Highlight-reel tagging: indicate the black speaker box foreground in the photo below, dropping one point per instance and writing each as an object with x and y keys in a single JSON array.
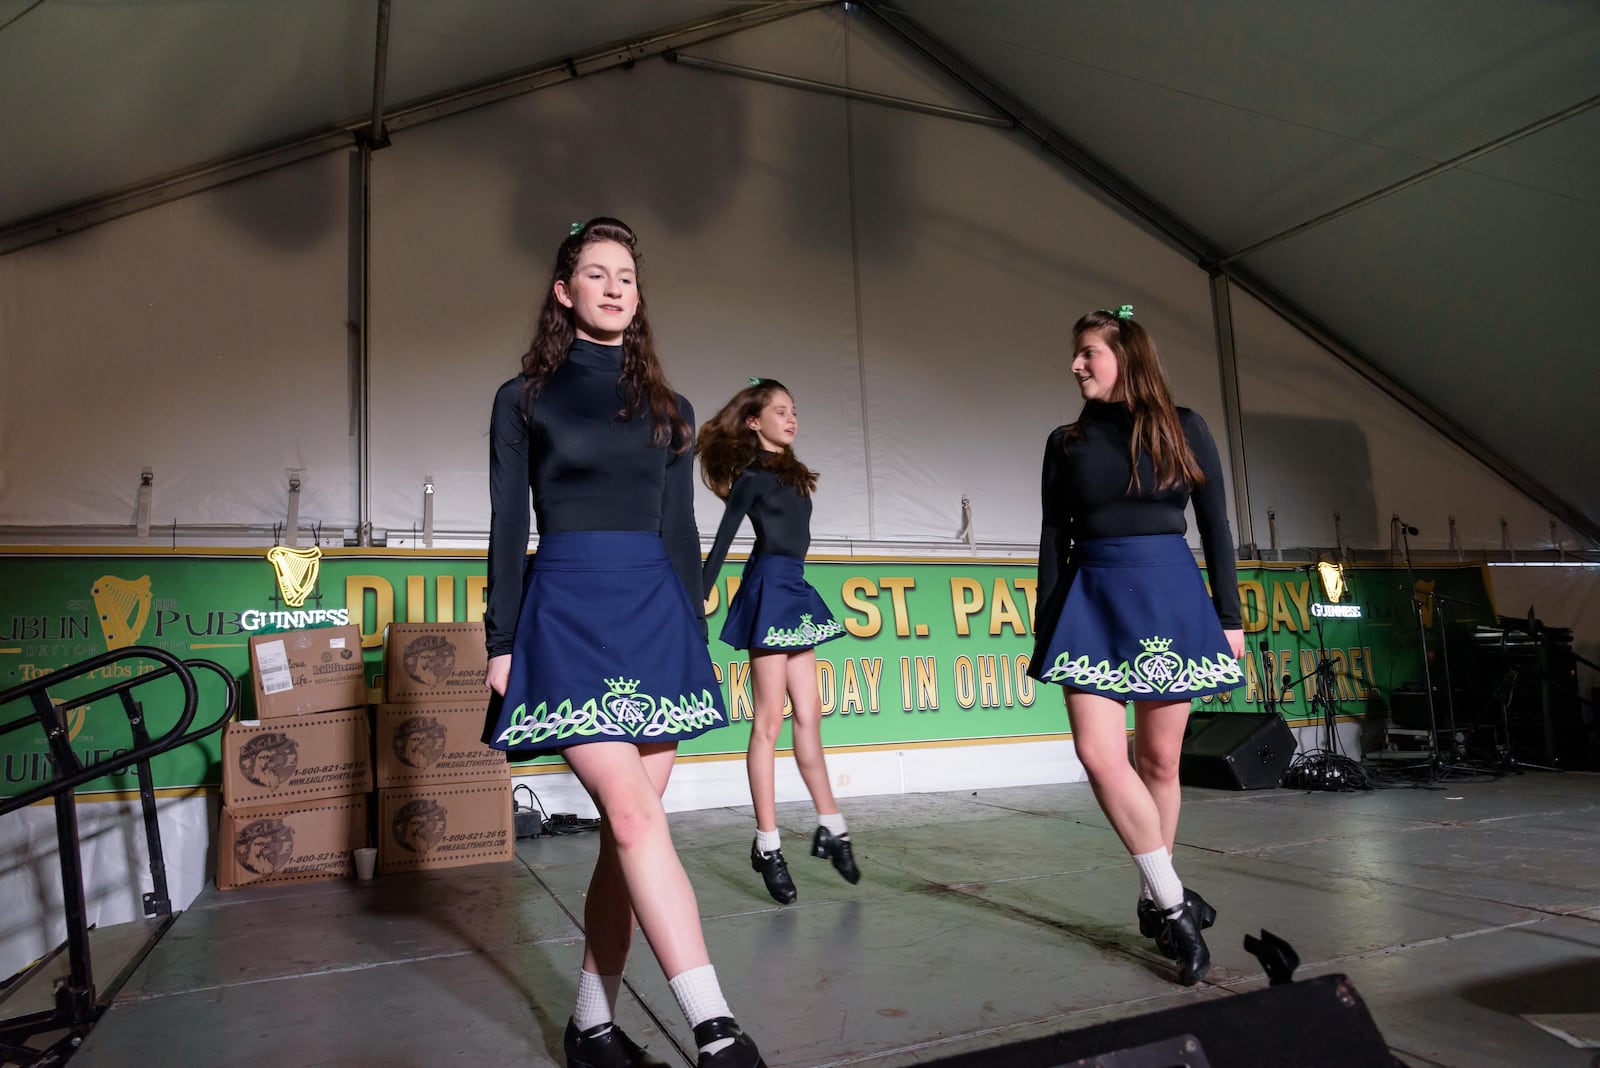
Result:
[
  {"x": 1236, "y": 750},
  {"x": 1318, "y": 1023}
]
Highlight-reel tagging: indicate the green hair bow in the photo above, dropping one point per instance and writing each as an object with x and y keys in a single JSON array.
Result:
[
  {"x": 1122, "y": 311},
  {"x": 577, "y": 228}
]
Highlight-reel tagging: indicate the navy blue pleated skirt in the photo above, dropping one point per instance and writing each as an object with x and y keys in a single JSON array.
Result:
[
  {"x": 608, "y": 648},
  {"x": 776, "y": 608},
  {"x": 1133, "y": 622}
]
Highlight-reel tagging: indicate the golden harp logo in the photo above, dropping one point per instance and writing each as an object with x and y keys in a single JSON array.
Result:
[
  {"x": 124, "y": 608},
  {"x": 296, "y": 570}
]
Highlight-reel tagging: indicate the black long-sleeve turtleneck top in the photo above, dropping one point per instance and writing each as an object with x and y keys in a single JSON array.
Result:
[
  {"x": 780, "y": 514},
  {"x": 587, "y": 469},
  {"x": 1085, "y": 495}
]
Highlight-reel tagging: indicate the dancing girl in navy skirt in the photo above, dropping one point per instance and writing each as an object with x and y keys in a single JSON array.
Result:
[
  {"x": 747, "y": 458},
  {"x": 597, "y": 648},
  {"x": 1123, "y": 612}
]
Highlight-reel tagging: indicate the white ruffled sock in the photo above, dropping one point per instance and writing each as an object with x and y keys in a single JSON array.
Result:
[
  {"x": 597, "y": 1000},
  {"x": 700, "y": 997},
  {"x": 1166, "y": 890}
]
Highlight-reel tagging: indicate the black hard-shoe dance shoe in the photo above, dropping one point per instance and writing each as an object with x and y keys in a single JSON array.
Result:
[
  {"x": 775, "y": 873},
  {"x": 1189, "y": 948},
  {"x": 605, "y": 1046},
  {"x": 1150, "y": 924},
  {"x": 826, "y": 847},
  {"x": 1151, "y": 927},
  {"x": 742, "y": 1054}
]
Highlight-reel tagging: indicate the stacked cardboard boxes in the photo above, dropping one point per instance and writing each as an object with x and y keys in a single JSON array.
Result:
[
  {"x": 295, "y": 780},
  {"x": 444, "y": 798}
]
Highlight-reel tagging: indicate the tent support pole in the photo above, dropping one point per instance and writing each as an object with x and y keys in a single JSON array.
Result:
[
  {"x": 368, "y": 141},
  {"x": 1233, "y": 412},
  {"x": 790, "y": 81}
]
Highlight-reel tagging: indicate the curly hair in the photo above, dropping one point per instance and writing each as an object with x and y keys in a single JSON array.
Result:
[
  {"x": 644, "y": 384},
  {"x": 1142, "y": 385},
  {"x": 726, "y": 444}
]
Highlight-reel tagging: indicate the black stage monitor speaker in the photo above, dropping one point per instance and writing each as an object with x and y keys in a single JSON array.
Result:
[
  {"x": 1318, "y": 1023},
  {"x": 1236, "y": 750}
]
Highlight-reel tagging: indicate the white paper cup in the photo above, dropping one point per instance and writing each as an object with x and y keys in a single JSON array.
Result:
[{"x": 366, "y": 862}]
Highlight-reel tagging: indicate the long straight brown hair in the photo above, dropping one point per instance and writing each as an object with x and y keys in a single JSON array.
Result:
[
  {"x": 727, "y": 445},
  {"x": 644, "y": 384},
  {"x": 1142, "y": 385}
]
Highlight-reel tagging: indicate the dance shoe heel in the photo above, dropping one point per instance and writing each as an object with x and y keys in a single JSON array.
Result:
[
  {"x": 775, "y": 873},
  {"x": 824, "y": 846},
  {"x": 742, "y": 1054},
  {"x": 605, "y": 1046}
]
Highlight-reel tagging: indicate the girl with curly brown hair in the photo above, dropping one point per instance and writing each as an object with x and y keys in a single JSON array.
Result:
[{"x": 747, "y": 458}]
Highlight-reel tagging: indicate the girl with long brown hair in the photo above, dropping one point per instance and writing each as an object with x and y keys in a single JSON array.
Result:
[
  {"x": 747, "y": 458},
  {"x": 1123, "y": 613},
  {"x": 597, "y": 649}
]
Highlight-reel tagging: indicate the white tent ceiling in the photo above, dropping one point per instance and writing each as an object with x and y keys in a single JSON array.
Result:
[{"x": 1224, "y": 125}]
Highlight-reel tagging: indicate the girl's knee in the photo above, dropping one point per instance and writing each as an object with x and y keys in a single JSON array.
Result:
[
  {"x": 767, "y": 727},
  {"x": 1103, "y": 762},
  {"x": 635, "y": 821},
  {"x": 1158, "y": 766}
]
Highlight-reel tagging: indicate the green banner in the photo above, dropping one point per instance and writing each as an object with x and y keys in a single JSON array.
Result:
[{"x": 935, "y": 651}]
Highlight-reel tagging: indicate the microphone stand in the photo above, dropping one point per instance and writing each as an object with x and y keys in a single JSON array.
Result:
[
  {"x": 1269, "y": 671},
  {"x": 1436, "y": 766},
  {"x": 1443, "y": 602},
  {"x": 1326, "y": 682}
]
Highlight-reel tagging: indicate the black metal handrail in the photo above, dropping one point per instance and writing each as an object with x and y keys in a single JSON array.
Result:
[
  {"x": 77, "y": 1005},
  {"x": 51, "y": 717}
]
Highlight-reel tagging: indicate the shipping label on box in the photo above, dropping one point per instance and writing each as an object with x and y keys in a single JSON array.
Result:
[
  {"x": 444, "y": 826},
  {"x": 290, "y": 843},
  {"x": 290, "y": 761},
  {"x": 302, "y": 671},
  {"x": 435, "y": 662},
  {"x": 428, "y": 743}
]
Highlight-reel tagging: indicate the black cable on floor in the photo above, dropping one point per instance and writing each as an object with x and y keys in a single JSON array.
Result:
[{"x": 1323, "y": 769}]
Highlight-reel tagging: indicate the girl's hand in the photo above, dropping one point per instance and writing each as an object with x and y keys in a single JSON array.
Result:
[
  {"x": 499, "y": 673},
  {"x": 1235, "y": 642}
]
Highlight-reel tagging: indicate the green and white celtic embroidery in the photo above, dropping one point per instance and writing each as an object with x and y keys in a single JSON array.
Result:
[
  {"x": 621, "y": 714},
  {"x": 1157, "y": 670},
  {"x": 806, "y": 634}
]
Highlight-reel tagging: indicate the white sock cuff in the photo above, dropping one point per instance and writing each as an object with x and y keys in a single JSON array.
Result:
[
  {"x": 1166, "y": 890},
  {"x": 835, "y": 824},
  {"x": 767, "y": 841},
  {"x": 699, "y": 995},
  {"x": 596, "y": 999}
]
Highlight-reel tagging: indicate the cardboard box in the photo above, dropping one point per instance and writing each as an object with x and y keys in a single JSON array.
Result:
[
  {"x": 435, "y": 662},
  {"x": 297, "y": 760},
  {"x": 302, "y": 671},
  {"x": 290, "y": 843},
  {"x": 444, "y": 826},
  {"x": 420, "y": 744}
]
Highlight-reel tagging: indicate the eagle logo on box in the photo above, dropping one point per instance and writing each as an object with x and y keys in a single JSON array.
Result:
[
  {"x": 264, "y": 846},
  {"x": 419, "y": 742},
  {"x": 269, "y": 760},
  {"x": 429, "y": 659},
  {"x": 419, "y": 825}
]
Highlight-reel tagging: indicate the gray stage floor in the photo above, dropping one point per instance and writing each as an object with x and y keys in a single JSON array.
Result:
[{"x": 983, "y": 917}]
